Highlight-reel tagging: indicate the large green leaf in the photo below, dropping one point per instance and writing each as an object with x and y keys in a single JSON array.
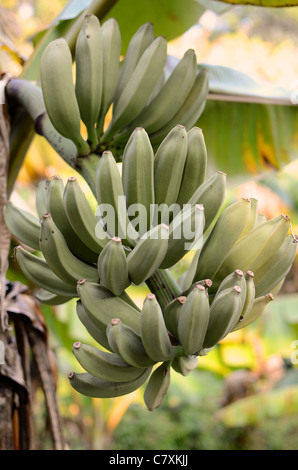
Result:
[
  {"x": 170, "y": 18},
  {"x": 249, "y": 127}
]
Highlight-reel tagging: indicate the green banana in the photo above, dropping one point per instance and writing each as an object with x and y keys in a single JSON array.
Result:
[
  {"x": 147, "y": 255},
  {"x": 171, "y": 97},
  {"x": 171, "y": 314},
  {"x": 93, "y": 327},
  {"x": 254, "y": 249},
  {"x": 89, "y": 70},
  {"x": 184, "y": 364},
  {"x": 128, "y": 344},
  {"x": 255, "y": 312},
  {"x": 139, "y": 42},
  {"x": 169, "y": 162},
  {"x": 250, "y": 294},
  {"x": 138, "y": 177},
  {"x": 55, "y": 206},
  {"x": 191, "y": 109},
  {"x": 110, "y": 195},
  {"x": 194, "y": 171},
  {"x": 185, "y": 232},
  {"x": 59, "y": 93},
  {"x": 225, "y": 312},
  {"x": 139, "y": 87},
  {"x": 252, "y": 219},
  {"x": 104, "y": 365},
  {"x": 59, "y": 257},
  {"x": 193, "y": 320},
  {"x": 236, "y": 278},
  {"x": 82, "y": 218},
  {"x": 222, "y": 238},
  {"x": 22, "y": 224},
  {"x": 157, "y": 386},
  {"x": 91, "y": 386},
  {"x": 39, "y": 273},
  {"x": 45, "y": 297},
  {"x": 103, "y": 306},
  {"x": 41, "y": 197},
  {"x": 113, "y": 267},
  {"x": 154, "y": 333},
  {"x": 211, "y": 195},
  {"x": 111, "y": 41},
  {"x": 268, "y": 275}
]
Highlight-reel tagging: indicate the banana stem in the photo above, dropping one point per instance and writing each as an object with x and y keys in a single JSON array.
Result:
[{"x": 164, "y": 286}]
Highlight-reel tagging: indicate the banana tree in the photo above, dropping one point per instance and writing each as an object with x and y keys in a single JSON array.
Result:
[{"x": 78, "y": 254}]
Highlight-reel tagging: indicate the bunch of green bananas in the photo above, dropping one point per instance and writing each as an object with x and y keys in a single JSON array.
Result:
[
  {"x": 240, "y": 261},
  {"x": 137, "y": 88}
]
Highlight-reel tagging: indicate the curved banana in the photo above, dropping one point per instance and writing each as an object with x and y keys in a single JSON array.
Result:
[
  {"x": 45, "y": 297},
  {"x": 89, "y": 71},
  {"x": 225, "y": 312},
  {"x": 93, "y": 327},
  {"x": 138, "y": 177},
  {"x": 55, "y": 206},
  {"x": 184, "y": 364},
  {"x": 185, "y": 232},
  {"x": 59, "y": 93},
  {"x": 59, "y": 257},
  {"x": 276, "y": 267},
  {"x": 139, "y": 87},
  {"x": 249, "y": 296},
  {"x": 148, "y": 254},
  {"x": 111, "y": 41},
  {"x": 139, "y": 42},
  {"x": 255, "y": 312},
  {"x": 191, "y": 109},
  {"x": 128, "y": 344},
  {"x": 254, "y": 249},
  {"x": 225, "y": 233},
  {"x": 211, "y": 195},
  {"x": 252, "y": 220},
  {"x": 82, "y": 218},
  {"x": 169, "y": 162},
  {"x": 91, "y": 386},
  {"x": 39, "y": 273},
  {"x": 154, "y": 334},
  {"x": 104, "y": 365},
  {"x": 41, "y": 197},
  {"x": 22, "y": 224},
  {"x": 193, "y": 321},
  {"x": 103, "y": 306},
  {"x": 113, "y": 267},
  {"x": 111, "y": 198},
  {"x": 171, "y": 96},
  {"x": 194, "y": 171},
  {"x": 157, "y": 386},
  {"x": 236, "y": 278},
  {"x": 171, "y": 314}
]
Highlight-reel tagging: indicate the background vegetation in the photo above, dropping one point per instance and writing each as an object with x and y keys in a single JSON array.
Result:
[{"x": 244, "y": 395}]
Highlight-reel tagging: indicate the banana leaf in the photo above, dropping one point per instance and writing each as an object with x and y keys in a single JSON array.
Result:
[{"x": 249, "y": 128}]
